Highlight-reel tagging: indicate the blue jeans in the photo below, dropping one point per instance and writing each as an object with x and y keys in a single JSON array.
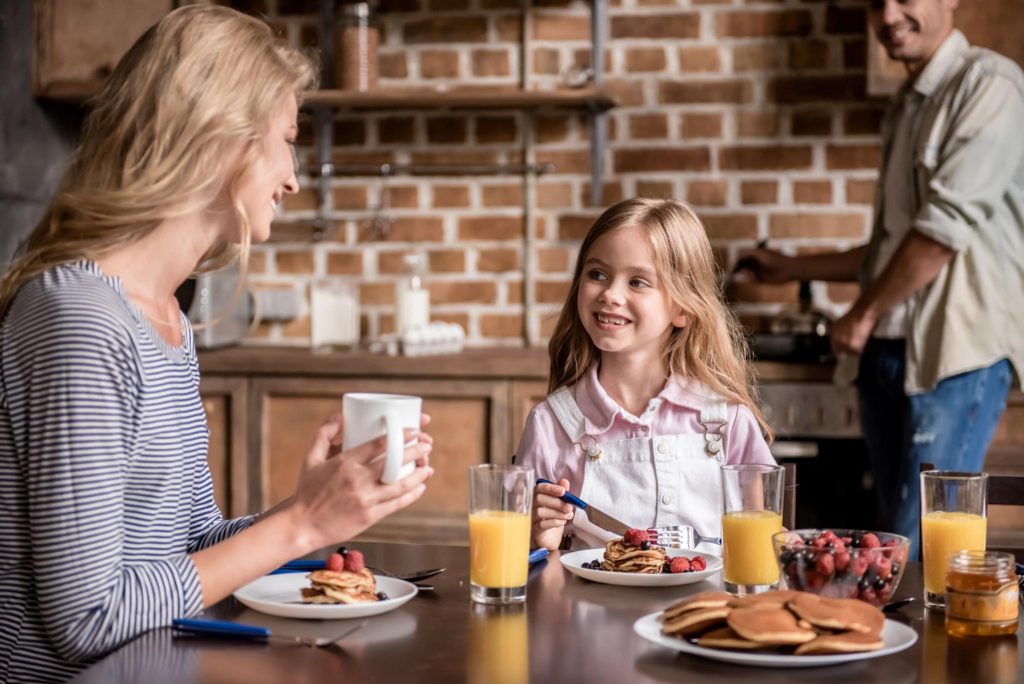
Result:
[{"x": 950, "y": 427}]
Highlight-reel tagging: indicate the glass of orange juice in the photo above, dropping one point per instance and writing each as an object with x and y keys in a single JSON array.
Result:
[
  {"x": 751, "y": 514},
  {"x": 952, "y": 519},
  {"x": 500, "y": 497}
]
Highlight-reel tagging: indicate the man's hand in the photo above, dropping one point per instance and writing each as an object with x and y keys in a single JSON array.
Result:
[{"x": 851, "y": 332}]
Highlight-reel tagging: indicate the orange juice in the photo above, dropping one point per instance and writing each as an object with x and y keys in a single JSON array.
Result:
[
  {"x": 499, "y": 546},
  {"x": 747, "y": 551},
  {"x": 942, "y": 534}
]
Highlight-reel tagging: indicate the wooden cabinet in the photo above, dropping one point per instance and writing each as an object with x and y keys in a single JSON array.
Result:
[
  {"x": 469, "y": 420},
  {"x": 226, "y": 402},
  {"x": 79, "y": 42}
]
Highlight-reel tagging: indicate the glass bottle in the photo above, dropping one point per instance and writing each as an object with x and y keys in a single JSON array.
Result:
[
  {"x": 982, "y": 596},
  {"x": 358, "y": 38},
  {"x": 412, "y": 299}
]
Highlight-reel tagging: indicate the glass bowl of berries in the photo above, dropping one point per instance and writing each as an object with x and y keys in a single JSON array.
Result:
[{"x": 842, "y": 563}]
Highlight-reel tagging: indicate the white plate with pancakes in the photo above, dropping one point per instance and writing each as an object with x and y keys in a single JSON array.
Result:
[
  {"x": 573, "y": 562},
  {"x": 281, "y": 595},
  {"x": 895, "y": 637}
]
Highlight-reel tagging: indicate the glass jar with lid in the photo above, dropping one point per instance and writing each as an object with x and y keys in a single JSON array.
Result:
[
  {"x": 358, "y": 37},
  {"x": 982, "y": 597}
]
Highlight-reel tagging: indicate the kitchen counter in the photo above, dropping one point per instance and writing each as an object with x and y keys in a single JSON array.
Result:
[{"x": 525, "y": 364}]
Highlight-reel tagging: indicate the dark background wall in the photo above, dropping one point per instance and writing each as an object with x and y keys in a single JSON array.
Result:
[{"x": 35, "y": 136}]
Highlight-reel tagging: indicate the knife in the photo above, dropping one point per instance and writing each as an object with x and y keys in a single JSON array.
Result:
[{"x": 596, "y": 516}]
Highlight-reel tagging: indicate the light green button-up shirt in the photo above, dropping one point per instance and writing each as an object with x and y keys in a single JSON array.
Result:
[{"x": 967, "y": 147}]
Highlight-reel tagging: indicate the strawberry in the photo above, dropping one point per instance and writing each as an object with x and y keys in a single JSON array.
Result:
[
  {"x": 635, "y": 537},
  {"x": 870, "y": 541},
  {"x": 354, "y": 561},
  {"x": 858, "y": 566},
  {"x": 882, "y": 567},
  {"x": 825, "y": 565},
  {"x": 679, "y": 564},
  {"x": 335, "y": 562},
  {"x": 697, "y": 563},
  {"x": 842, "y": 560}
]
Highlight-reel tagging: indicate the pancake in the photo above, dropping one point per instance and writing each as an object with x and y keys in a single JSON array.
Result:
[
  {"x": 329, "y": 586},
  {"x": 622, "y": 557},
  {"x": 770, "y": 626},
  {"x": 726, "y": 638},
  {"x": 843, "y": 642},
  {"x": 777, "y": 599},
  {"x": 838, "y": 614},
  {"x": 695, "y": 622},
  {"x": 705, "y": 599}
]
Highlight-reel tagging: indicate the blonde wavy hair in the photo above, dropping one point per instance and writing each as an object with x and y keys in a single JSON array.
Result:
[
  {"x": 162, "y": 136},
  {"x": 710, "y": 350}
]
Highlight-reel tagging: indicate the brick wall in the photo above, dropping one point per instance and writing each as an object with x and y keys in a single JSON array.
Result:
[{"x": 753, "y": 111}]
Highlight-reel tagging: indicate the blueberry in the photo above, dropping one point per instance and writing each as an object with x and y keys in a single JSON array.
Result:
[
  {"x": 666, "y": 568},
  {"x": 895, "y": 569},
  {"x": 879, "y": 584},
  {"x": 644, "y": 546},
  {"x": 863, "y": 584},
  {"x": 855, "y": 542},
  {"x": 381, "y": 596},
  {"x": 343, "y": 550},
  {"x": 830, "y": 545},
  {"x": 786, "y": 556}
]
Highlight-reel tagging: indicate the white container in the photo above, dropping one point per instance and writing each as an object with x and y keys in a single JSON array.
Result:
[
  {"x": 334, "y": 314},
  {"x": 412, "y": 299}
]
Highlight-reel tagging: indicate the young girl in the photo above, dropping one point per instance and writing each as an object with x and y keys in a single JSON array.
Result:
[
  {"x": 650, "y": 390},
  {"x": 108, "y": 524}
]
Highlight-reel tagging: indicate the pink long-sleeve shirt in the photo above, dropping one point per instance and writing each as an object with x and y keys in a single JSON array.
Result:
[{"x": 676, "y": 410}]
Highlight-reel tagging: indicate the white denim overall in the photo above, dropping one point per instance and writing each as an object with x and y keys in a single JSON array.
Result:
[{"x": 649, "y": 481}]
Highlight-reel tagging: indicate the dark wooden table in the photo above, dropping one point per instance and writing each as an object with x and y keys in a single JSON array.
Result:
[{"x": 570, "y": 631}]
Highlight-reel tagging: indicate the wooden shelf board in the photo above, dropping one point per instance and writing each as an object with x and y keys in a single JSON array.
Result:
[{"x": 463, "y": 98}]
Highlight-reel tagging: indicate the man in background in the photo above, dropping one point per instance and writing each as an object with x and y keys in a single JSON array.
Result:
[{"x": 939, "y": 323}]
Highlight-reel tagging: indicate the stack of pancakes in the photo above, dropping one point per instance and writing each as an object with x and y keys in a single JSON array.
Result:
[
  {"x": 787, "y": 621},
  {"x": 622, "y": 557},
  {"x": 329, "y": 586}
]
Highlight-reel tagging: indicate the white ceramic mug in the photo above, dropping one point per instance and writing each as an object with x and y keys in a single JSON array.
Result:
[{"x": 368, "y": 416}]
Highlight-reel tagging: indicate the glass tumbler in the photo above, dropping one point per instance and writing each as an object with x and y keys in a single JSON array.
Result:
[
  {"x": 751, "y": 514},
  {"x": 952, "y": 519},
  {"x": 500, "y": 497}
]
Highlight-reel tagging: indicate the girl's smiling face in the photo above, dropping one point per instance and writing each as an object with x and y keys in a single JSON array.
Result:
[{"x": 623, "y": 306}]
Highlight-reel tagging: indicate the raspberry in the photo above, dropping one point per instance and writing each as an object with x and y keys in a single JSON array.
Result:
[
  {"x": 882, "y": 567},
  {"x": 697, "y": 563},
  {"x": 679, "y": 564},
  {"x": 354, "y": 561},
  {"x": 869, "y": 595},
  {"x": 825, "y": 566},
  {"x": 635, "y": 537},
  {"x": 842, "y": 560},
  {"x": 870, "y": 541},
  {"x": 335, "y": 562},
  {"x": 814, "y": 581}
]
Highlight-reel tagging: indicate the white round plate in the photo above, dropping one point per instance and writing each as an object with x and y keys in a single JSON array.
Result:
[
  {"x": 280, "y": 595},
  {"x": 573, "y": 562},
  {"x": 896, "y": 637}
]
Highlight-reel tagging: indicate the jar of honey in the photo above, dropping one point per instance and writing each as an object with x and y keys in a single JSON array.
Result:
[{"x": 981, "y": 594}]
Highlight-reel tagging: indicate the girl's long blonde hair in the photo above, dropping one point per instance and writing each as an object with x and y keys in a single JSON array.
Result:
[
  {"x": 710, "y": 350},
  {"x": 162, "y": 138}
]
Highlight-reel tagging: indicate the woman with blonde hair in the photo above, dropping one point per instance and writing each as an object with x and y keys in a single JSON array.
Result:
[
  {"x": 109, "y": 525},
  {"x": 650, "y": 389}
]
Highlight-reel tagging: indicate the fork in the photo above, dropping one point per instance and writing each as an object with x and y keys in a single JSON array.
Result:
[
  {"x": 416, "y": 576},
  {"x": 237, "y": 630},
  {"x": 679, "y": 537}
]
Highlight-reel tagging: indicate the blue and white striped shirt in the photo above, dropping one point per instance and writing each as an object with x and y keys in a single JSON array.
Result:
[{"x": 104, "y": 484}]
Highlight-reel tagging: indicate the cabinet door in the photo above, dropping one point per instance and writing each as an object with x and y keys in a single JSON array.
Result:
[
  {"x": 1006, "y": 457},
  {"x": 79, "y": 43},
  {"x": 225, "y": 401},
  {"x": 525, "y": 395},
  {"x": 469, "y": 423}
]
